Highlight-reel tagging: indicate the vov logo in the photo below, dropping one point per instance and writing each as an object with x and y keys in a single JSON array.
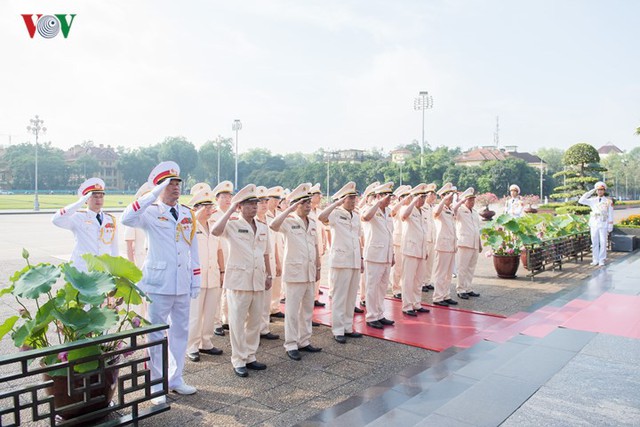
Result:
[{"x": 48, "y": 26}]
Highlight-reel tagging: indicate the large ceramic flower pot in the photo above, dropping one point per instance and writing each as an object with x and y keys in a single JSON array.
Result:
[
  {"x": 506, "y": 265},
  {"x": 486, "y": 214}
]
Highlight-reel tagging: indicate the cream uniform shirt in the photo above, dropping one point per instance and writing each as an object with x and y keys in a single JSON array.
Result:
[
  {"x": 378, "y": 237},
  {"x": 414, "y": 233},
  {"x": 90, "y": 236},
  {"x": 445, "y": 231},
  {"x": 313, "y": 215},
  {"x": 276, "y": 242},
  {"x": 431, "y": 224},
  {"x": 300, "y": 243},
  {"x": 208, "y": 246},
  {"x": 397, "y": 229},
  {"x": 139, "y": 244},
  {"x": 345, "y": 239},
  {"x": 245, "y": 269},
  {"x": 468, "y": 228}
]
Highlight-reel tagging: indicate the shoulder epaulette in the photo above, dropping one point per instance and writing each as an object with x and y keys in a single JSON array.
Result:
[{"x": 82, "y": 210}]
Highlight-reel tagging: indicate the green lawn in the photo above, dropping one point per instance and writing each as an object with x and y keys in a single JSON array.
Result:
[{"x": 55, "y": 201}]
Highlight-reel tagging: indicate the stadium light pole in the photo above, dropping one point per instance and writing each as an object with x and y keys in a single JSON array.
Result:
[
  {"x": 36, "y": 128},
  {"x": 423, "y": 102},
  {"x": 236, "y": 127}
]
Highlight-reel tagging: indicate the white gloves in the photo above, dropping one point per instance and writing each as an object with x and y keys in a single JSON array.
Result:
[
  {"x": 195, "y": 293},
  {"x": 157, "y": 190},
  {"x": 77, "y": 205}
]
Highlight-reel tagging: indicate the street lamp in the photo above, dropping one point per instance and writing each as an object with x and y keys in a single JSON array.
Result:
[
  {"x": 423, "y": 102},
  {"x": 236, "y": 127},
  {"x": 35, "y": 128}
]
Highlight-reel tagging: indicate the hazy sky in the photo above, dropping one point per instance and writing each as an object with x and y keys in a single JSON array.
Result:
[{"x": 303, "y": 75}]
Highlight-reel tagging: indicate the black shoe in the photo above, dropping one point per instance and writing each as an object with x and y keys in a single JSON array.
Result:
[
  {"x": 225, "y": 326},
  {"x": 430, "y": 286},
  {"x": 283, "y": 300},
  {"x": 211, "y": 351},
  {"x": 473, "y": 294},
  {"x": 294, "y": 355},
  {"x": 363, "y": 303},
  {"x": 219, "y": 332},
  {"x": 463, "y": 295},
  {"x": 441, "y": 303},
  {"x": 358, "y": 310},
  {"x": 269, "y": 336},
  {"x": 353, "y": 334},
  {"x": 315, "y": 324},
  {"x": 397, "y": 296},
  {"x": 317, "y": 303},
  {"x": 256, "y": 366},
  {"x": 279, "y": 315},
  {"x": 241, "y": 371},
  {"x": 310, "y": 349},
  {"x": 410, "y": 313},
  {"x": 340, "y": 338},
  {"x": 386, "y": 322},
  {"x": 425, "y": 288},
  {"x": 422, "y": 310},
  {"x": 375, "y": 324},
  {"x": 451, "y": 302},
  {"x": 194, "y": 357}
]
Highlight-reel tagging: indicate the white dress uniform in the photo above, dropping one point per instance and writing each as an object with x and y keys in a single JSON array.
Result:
[
  {"x": 514, "y": 207},
  {"x": 396, "y": 270},
  {"x": 299, "y": 275},
  {"x": 431, "y": 244},
  {"x": 600, "y": 223},
  {"x": 171, "y": 272},
  {"x": 345, "y": 261},
  {"x": 414, "y": 252},
  {"x": 90, "y": 236},
  {"x": 245, "y": 285},
  {"x": 468, "y": 233},
  {"x": 378, "y": 257},
  {"x": 445, "y": 250}
]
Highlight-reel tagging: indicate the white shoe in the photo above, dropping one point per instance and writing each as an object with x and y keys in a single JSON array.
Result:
[
  {"x": 594, "y": 263},
  {"x": 184, "y": 389},
  {"x": 159, "y": 400},
  {"x": 601, "y": 264}
]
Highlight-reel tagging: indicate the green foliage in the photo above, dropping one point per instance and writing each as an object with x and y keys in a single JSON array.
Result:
[
  {"x": 85, "y": 305},
  {"x": 581, "y": 154}
]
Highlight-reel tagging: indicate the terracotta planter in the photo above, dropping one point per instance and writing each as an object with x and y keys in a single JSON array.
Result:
[
  {"x": 506, "y": 265},
  {"x": 61, "y": 397},
  {"x": 486, "y": 214},
  {"x": 536, "y": 265},
  {"x": 531, "y": 210}
]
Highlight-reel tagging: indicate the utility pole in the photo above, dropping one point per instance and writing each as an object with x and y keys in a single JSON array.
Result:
[{"x": 423, "y": 102}]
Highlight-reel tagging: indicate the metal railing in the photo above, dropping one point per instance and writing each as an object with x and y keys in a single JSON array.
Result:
[
  {"x": 552, "y": 253},
  {"x": 26, "y": 385}
]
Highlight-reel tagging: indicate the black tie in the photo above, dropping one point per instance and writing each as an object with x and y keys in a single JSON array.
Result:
[
  {"x": 99, "y": 218},
  {"x": 174, "y": 213}
]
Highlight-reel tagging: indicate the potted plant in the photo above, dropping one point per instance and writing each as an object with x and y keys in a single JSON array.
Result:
[
  {"x": 530, "y": 201},
  {"x": 485, "y": 200},
  {"x": 58, "y": 304}
]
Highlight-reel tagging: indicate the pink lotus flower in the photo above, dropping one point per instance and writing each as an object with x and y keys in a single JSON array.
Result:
[
  {"x": 63, "y": 356},
  {"x": 135, "y": 322}
]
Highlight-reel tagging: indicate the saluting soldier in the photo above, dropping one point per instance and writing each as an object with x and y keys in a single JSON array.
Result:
[
  {"x": 171, "y": 272},
  {"x": 301, "y": 270},
  {"x": 204, "y": 314},
  {"x": 469, "y": 244},
  {"x": 134, "y": 237},
  {"x": 445, "y": 247},
  {"x": 600, "y": 221},
  {"x": 402, "y": 199},
  {"x": 345, "y": 260},
  {"x": 276, "y": 250},
  {"x": 364, "y": 203},
  {"x": 428, "y": 208},
  {"x": 94, "y": 230},
  {"x": 378, "y": 253},
  {"x": 414, "y": 251},
  {"x": 223, "y": 192},
  {"x": 261, "y": 216},
  {"x": 248, "y": 276},
  {"x": 316, "y": 197},
  {"x": 513, "y": 205}
]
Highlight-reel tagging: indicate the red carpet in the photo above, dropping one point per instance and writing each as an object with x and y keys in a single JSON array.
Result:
[
  {"x": 437, "y": 330},
  {"x": 613, "y": 314}
]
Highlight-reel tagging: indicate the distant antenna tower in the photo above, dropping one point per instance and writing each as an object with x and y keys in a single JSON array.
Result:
[{"x": 496, "y": 134}]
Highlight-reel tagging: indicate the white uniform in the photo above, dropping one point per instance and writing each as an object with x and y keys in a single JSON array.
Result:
[
  {"x": 396, "y": 270},
  {"x": 414, "y": 256},
  {"x": 139, "y": 240},
  {"x": 429, "y": 275},
  {"x": 205, "y": 310},
  {"x": 275, "y": 249},
  {"x": 600, "y": 223},
  {"x": 268, "y": 294},
  {"x": 378, "y": 256},
  {"x": 299, "y": 275},
  {"x": 245, "y": 285},
  {"x": 514, "y": 207},
  {"x": 90, "y": 236},
  {"x": 445, "y": 254},
  {"x": 171, "y": 273},
  {"x": 313, "y": 215},
  {"x": 345, "y": 261},
  {"x": 224, "y": 316},
  {"x": 468, "y": 233}
]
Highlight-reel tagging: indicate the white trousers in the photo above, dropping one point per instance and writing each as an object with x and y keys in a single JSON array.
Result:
[
  {"x": 298, "y": 313},
  {"x": 377, "y": 279},
  {"x": 266, "y": 311},
  {"x": 174, "y": 310},
  {"x": 431, "y": 256},
  {"x": 245, "y": 315},
  {"x": 599, "y": 244},
  {"x": 202, "y": 319},
  {"x": 467, "y": 260},
  {"x": 362, "y": 287},
  {"x": 396, "y": 271},
  {"x": 344, "y": 282},
  {"x": 276, "y": 290},
  {"x": 413, "y": 269},
  {"x": 443, "y": 268}
]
